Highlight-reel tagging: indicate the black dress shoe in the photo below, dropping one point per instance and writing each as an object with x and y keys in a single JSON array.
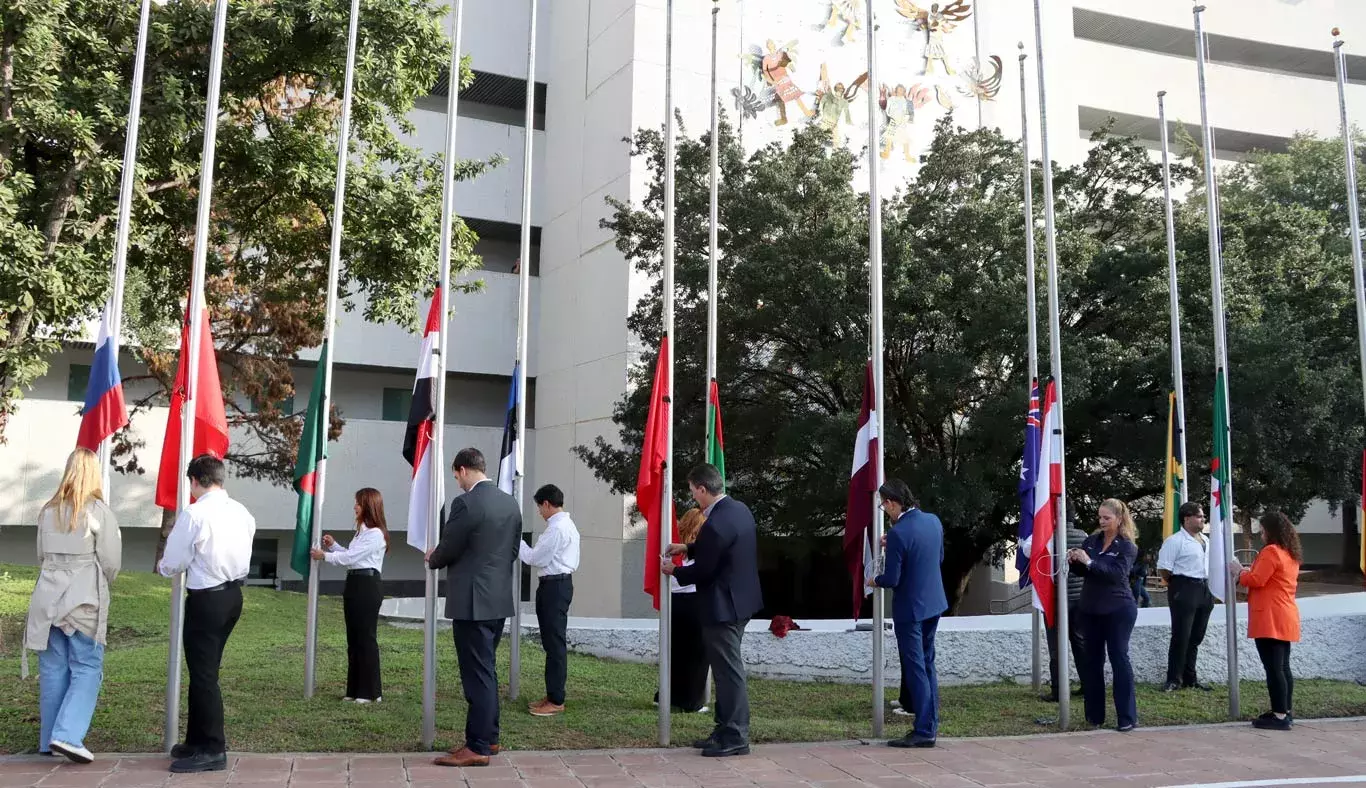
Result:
[
  {"x": 911, "y": 740},
  {"x": 200, "y": 762},
  {"x": 1171, "y": 686},
  {"x": 1077, "y": 693},
  {"x": 1049, "y": 697},
  {"x": 702, "y": 744},
  {"x": 725, "y": 750},
  {"x": 1272, "y": 723},
  {"x": 1200, "y": 685},
  {"x": 179, "y": 751}
]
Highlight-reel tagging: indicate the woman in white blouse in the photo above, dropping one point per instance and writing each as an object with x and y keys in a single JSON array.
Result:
[
  {"x": 80, "y": 552},
  {"x": 361, "y": 599}
]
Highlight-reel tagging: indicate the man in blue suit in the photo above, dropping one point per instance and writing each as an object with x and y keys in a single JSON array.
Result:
[{"x": 914, "y": 553}]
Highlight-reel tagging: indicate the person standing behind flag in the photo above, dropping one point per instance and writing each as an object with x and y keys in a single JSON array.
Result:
[
  {"x": 1075, "y": 539},
  {"x": 915, "y": 553},
  {"x": 1273, "y": 616},
  {"x": 1108, "y": 612},
  {"x": 211, "y": 543},
  {"x": 363, "y": 594},
  {"x": 479, "y": 545},
  {"x": 556, "y": 558},
  {"x": 687, "y": 657},
  {"x": 1183, "y": 563}
]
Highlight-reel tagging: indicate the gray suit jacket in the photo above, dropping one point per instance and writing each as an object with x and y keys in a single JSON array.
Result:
[{"x": 479, "y": 545}]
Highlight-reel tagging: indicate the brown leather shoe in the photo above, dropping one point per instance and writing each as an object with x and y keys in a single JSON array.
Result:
[
  {"x": 463, "y": 757},
  {"x": 540, "y": 702},
  {"x": 494, "y": 749},
  {"x": 547, "y": 709}
]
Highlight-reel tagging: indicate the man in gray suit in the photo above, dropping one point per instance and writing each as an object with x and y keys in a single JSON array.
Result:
[{"x": 479, "y": 545}]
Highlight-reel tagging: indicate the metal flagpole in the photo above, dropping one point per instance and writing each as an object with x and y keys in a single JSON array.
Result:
[
  {"x": 125, "y": 220},
  {"x": 875, "y": 318},
  {"x": 329, "y": 333},
  {"x": 1216, "y": 267},
  {"x": 713, "y": 247},
  {"x": 439, "y": 428},
  {"x": 1178, "y": 377},
  {"x": 196, "y": 326},
  {"x": 1353, "y": 206},
  {"x": 1031, "y": 320},
  {"x": 666, "y": 494},
  {"x": 1060, "y": 569},
  {"x": 523, "y": 324}
]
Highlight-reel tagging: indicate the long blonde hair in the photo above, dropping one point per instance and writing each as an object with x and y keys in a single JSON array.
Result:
[
  {"x": 80, "y": 485},
  {"x": 1120, "y": 509}
]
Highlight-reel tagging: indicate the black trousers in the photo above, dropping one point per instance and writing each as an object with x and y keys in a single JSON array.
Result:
[
  {"x": 209, "y": 619},
  {"x": 722, "y": 644},
  {"x": 1109, "y": 633},
  {"x": 476, "y": 644},
  {"x": 1076, "y": 638},
  {"x": 360, "y": 607},
  {"x": 687, "y": 656},
  {"x": 1280, "y": 684},
  {"x": 553, "y": 597},
  {"x": 1190, "y": 603}
]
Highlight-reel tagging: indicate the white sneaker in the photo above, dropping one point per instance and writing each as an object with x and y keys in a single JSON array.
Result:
[
  {"x": 347, "y": 699},
  {"x": 896, "y": 704},
  {"x": 363, "y": 701},
  {"x": 73, "y": 753},
  {"x": 704, "y": 710},
  {"x": 900, "y": 712}
]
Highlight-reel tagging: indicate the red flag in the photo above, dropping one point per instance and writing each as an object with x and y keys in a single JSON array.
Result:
[
  {"x": 211, "y": 420},
  {"x": 653, "y": 465},
  {"x": 1042, "y": 561},
  {"x": 859, "y": 517}
]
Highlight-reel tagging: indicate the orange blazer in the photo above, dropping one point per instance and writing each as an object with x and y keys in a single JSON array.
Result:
[{"x": 1271, "y": 582}]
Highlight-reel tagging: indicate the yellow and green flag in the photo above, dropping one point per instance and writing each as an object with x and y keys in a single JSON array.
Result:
[{"x": 1176, "y": 469}]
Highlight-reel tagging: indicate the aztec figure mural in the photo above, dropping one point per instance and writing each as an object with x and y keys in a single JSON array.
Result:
[{"x": 805, "y": 62}]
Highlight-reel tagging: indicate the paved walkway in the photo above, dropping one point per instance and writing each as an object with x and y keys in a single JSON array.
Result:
[{"x": 1315, "y": 753}]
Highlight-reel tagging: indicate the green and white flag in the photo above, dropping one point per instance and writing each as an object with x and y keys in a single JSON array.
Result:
[
  {"x": 312, "y": 449},
  {"x": 1220, "y": 490}
]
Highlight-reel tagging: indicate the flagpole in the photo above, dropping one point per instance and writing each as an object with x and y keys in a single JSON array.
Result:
[
  {"x": 329, "y": 333},
  {"x": 1353, "y": 204},
  {"x": 125, "y": 221},
  {"x": 875, "y": 318},
  {"x": 523, "y": 323},
  {"x": 196, "y": 326},
  {"x": 1031, "y": 321},
  {"x": 1216, "y": 266},
  {"x": 1178, "y": 377},
  {"x": 713, "y": 250},
  {"x": 438, "y": 465},
  {"x": 1060, "y": 568},
  {"x": 666, "y": 494}
]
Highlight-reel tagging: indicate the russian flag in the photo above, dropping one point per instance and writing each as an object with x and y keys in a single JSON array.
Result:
[{"x": 104, "y": 412}]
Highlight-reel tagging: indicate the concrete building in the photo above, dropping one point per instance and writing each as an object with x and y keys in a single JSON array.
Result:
[{"x": 601, "y": 63}]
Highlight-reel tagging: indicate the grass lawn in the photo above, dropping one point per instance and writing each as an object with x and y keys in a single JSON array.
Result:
[{"x": 609, "y": 702}]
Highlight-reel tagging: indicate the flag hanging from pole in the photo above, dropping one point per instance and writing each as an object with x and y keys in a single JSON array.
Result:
[
  {"x": 653, "y": 466},
  {"x": 860, "y": 521},
  {"x": 312, "y": 450},
  {"x": 1046, "y": 490},
  {"x": 1176, "y": 470},
  {"x": 211, "y": 420},
  {"x": 1029, "y": 478},
  {"x": 104, "y": 412},
  {"x": 716, "y": 443},
  {"x": 1220, "y": 488},
  {"x": 507, "y": 457},
  {"x": 417, "y": 438}
]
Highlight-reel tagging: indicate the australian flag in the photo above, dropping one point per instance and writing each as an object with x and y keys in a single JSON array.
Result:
[{"x": 1029, "y": 475}]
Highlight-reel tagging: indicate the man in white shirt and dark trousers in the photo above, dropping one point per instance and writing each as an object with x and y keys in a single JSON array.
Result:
[
  {"x": 556, "y": 557},
  {"x": 1183, "y": 562},
  {"x": 211, "y": 543}
]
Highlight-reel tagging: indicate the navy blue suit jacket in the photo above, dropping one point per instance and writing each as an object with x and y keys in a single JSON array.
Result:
[
  {"x": 725, "y": 565},
  {"x": 915, "y": 551}
]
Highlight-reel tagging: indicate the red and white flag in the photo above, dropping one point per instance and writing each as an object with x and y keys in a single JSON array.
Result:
[
  {"x": 859, "y": 518},
  {"x": 1042, "y": 559},
  {"x": 417, "y": 438}
]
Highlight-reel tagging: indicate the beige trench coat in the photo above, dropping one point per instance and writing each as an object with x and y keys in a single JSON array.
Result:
[{"x": 72, "y": 592}]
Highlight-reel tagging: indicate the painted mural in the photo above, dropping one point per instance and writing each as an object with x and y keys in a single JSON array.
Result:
[{"x": 805, "y": 62}]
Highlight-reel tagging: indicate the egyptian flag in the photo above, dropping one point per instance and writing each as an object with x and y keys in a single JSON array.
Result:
[
  {"x": 210, "y": 417},
  {"x": 1046, "y": 491},
  {"x": 417, "y": 438},
  {"x": 1176, "y": 471},
  {"x": 654, "y": 463},
  {"x": 312, "y": 451},
  {"x": 104, "y": 412},
  {"x": 860, "y": 523},
  {"x": 507, "y": 458}
]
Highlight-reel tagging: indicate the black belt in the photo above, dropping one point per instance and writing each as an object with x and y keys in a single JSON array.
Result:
[
  {"x": 1186, "y": 579},
  {"x": 363, "y": 572},
  {"x": 219, "y": 587},
  {"x": 564, "y": 576}
]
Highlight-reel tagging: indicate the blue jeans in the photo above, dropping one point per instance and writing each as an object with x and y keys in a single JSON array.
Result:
[
  {"x": 915, "y": 641},
  {"x": 70, "y": 671}
]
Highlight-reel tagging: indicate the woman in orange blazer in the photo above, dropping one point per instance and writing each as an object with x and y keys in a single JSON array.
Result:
[{"x": 1273, "y": 619}]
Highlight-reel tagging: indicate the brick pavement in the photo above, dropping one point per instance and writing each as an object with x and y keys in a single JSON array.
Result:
[{"x": 1151, "y": 757}]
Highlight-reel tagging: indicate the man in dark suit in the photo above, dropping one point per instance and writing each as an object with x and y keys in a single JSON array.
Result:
[
  {"x": 915, "y": 551},
  {"x": 479, "y": 545},
  {"x": 725, "y": 570}
]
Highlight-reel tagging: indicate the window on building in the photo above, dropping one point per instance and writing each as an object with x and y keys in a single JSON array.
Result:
[
  {"x": 265, "y": 556},
  {"x": 397, "y": 403},
  {"x": 526, "y": 572},
  {"x": 285, "y": 406},
  {"x": 77, "y": 381}
]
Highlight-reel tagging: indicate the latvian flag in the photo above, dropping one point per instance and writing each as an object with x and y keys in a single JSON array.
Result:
[
  {"x": 417, "y": 439},
  {"x": 104, "y": 412},
  {"x": 860, "y": 519},
  {"x": 1042, "y": 560}
]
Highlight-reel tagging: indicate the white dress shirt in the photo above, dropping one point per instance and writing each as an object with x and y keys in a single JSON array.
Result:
[
  {"x": 1185, "y": 555},
  {"x": 366, "y": 551},
  {"x": 211, "y": 542},
  {"x": 675, "y": 588},
  {"x": 556, "y": 551}
]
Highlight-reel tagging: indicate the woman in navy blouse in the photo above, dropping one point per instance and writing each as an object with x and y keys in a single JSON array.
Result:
[{"x": 1108, "y": 611}]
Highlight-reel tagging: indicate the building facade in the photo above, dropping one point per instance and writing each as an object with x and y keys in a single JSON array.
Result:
[{"x": 600, "y": 71}]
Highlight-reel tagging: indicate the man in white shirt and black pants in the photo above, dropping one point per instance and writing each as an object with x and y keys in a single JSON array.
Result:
[
  {"x": 1184, "y": 563},
  {"x": 556, "y": 557},
  {"x": 211, "y": 543}
]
